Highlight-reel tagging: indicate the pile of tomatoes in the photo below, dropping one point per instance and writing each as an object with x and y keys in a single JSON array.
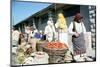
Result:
[{"x": 56, "y": 45}]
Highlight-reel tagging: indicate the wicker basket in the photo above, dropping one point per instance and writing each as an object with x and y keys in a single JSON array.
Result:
[
  {"x": 55, "y": 55},
  {"x": 55, "y": 51}
]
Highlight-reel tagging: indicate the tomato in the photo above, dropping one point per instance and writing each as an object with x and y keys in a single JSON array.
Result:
[{"x": 56, "y": 45}]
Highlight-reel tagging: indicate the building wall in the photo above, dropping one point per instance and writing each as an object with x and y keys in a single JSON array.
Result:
[
  {"x": 41, "y": 22},
  {"x": 67, "y": 13},
  {"x": 92, "y": 19},
  {"x": 84, "y": 10}
]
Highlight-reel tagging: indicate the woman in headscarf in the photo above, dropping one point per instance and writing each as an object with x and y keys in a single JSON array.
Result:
[
  {"x": 61, "y": 26},
  {"x": 77, "y": 30}
]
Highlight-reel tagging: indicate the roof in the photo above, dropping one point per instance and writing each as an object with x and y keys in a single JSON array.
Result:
[{"x": 46, "y": 10}]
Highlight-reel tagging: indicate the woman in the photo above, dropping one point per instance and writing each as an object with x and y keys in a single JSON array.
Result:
[
  {"x": 61, "y": 26},
  {"x": 77, "y": 30}
]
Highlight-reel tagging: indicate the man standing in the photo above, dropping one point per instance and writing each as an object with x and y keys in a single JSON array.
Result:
[{"x": 49, "y": 31}]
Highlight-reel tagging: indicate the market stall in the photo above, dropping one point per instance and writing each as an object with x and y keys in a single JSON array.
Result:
[{"x": 56, "y": 51}]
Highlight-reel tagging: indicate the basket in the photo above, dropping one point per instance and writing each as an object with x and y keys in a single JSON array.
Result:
[{"x": 55, "y": 55}]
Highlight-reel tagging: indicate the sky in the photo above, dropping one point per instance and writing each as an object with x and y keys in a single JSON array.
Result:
[{"x": 22, "y": 10}]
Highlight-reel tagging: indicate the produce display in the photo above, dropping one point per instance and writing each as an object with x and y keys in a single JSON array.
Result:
[
  {"x": 20, "y": 57},
  {"x": 56, "y": 51},
  {"x": 56, "y": 45}
]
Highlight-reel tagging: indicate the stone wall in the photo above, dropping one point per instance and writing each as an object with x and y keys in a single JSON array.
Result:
[{"x": 92, "y": 19}]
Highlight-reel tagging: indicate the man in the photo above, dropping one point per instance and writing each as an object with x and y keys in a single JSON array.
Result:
[{"x": 49, "y": 31}]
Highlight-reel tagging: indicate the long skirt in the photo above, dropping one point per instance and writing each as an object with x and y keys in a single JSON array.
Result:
[{"x": 79, "y": 45}]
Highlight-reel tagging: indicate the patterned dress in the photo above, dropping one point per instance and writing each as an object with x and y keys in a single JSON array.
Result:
[{"x": 79, "y": 46}]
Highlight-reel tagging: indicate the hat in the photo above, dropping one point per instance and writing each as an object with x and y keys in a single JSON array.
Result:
[{"x": 78, "y": 16}]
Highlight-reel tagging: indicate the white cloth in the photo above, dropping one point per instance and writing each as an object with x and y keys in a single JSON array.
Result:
[
  {"x": 27, "y": 30},
  {"x": 38, "y": 59},
  {"x": 88, "y": 43},
  {"x": 78, "y": 26},
  {"x": 14, "y": 50},
  {"x": 31, "y": 34},
  {"x": 42, "y": 59},
  {"x": 49, "y": 31},
  {"x": 63, "y": 38},
  {"x": 15, "y": 35},
  {"x": 29, "y": 60}
]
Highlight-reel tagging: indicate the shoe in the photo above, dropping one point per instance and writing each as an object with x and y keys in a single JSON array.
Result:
[
  {"x": 88, "y": 59},
  {"x": 80, "y": 59}
]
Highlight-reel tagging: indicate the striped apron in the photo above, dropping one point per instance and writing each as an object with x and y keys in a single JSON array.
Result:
[{"x": 79, "y": 44}]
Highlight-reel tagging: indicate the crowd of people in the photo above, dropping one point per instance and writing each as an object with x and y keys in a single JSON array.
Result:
[{"x": 26, "y": 42}]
